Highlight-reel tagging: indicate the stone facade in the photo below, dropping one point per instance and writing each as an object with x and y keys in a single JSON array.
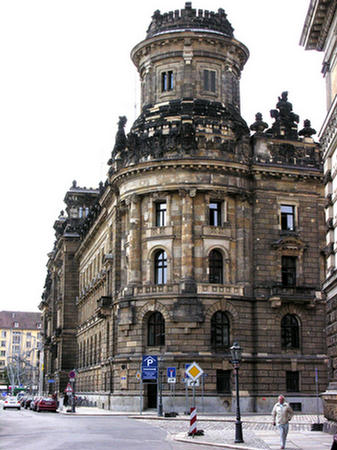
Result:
[
  {"x": 319, "y": 33},
  {"x": 203, "y": 234}
]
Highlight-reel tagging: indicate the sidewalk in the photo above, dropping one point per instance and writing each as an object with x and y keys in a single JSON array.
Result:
[{"x": 219, "y": 430}]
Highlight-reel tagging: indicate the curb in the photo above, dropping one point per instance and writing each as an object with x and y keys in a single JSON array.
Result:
[{"x": 213, "y": 444}]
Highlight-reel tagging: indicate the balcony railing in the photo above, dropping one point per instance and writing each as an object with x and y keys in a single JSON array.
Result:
[
  {"x": 220, "y": 289},
  {"x": 293, "y": 294}
]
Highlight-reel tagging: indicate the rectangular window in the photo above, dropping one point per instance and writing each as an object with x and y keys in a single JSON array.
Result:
[
  {"x": 3, "y": 334},
  {"x": 160, "y": 214},
  {"x": 209, "y": 80},
  {"x": 223, "y": 381},
  {"x": 215, "y": 213},
  {"x": 288, "y": 217},
  {"x": 2, "y": 353},
  {"x": 167, "y": 81},
  {"x": 29, "y": 334},
  {"x": 289, "y": 271},
  {"x": 3, "y": 343},
  {"x": 292, "y": 381},
  {"x": 16, "y": 339},
  {"x": 2, "y": 362},
  {"x": 28, "y": 344},
  {"x": 16, "y": 349}
]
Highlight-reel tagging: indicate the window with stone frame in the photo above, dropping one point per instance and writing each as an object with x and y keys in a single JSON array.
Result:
[
  {"x": 289, "y": 271},
  {"x": 292, "y": 381},
  {"x": 209, "y": 80},
  {"x": 215, "y": 261},
  {"x": 160, "y": 267},
  {"x": 287, "y": 217},
  {"x": 156, "y": 330},
  {"x": 290, "y": 332},
  {"x": 160, "y": 213},
  {"x": 220, "y": 331},
  {"x": 223, "y": 381},
  {"x": 215, "y": 213},
  {"x": 167, "y": 81}
]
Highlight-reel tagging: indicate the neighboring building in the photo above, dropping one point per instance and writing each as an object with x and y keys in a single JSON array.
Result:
[
  {"x": 20, "y": 338},
  {"x": 202, "y": 235},
  {"x": 61, "y": 290},
  {"x": 319, "y": 33}
]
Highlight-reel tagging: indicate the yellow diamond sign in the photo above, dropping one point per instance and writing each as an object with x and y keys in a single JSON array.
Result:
[{"x": 194, "y": 371}]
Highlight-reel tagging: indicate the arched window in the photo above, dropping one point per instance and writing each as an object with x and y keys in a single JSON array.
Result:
[
  {"x": 215, "y": 267},
  {"x": 290, "y": 332},
  {"x": 160, "y": 267},
  {"x": 156, "y": 330},
  {"x": 219, "y": 331}
]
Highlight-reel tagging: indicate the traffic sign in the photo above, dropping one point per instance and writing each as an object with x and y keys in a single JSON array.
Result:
[
  {"x": 72, "y": 374},
  {"x": 51, "y": 381},
  {"x": 171, "y": 372},
  {"x": 191, "y": 383},
  {"x": 149, "y": 367},
  {"x": 171, "y": 375},
  {"x": 69, "y": 389},
  {"x": 194, "y": 371},
  {"x": 138, "y": 375}
]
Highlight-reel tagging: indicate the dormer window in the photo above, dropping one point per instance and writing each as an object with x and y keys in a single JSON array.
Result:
[
  {"x": 167, "y": 81},
  {"x": 209, "y": 80},
  {"x": 16, "y": 324}
]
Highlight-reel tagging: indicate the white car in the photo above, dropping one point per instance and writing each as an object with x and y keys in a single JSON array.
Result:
[{"x": 11, "y": 402}]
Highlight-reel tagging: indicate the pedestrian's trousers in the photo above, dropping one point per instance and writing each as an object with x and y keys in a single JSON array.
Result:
[{"x": 283, "y": 433}]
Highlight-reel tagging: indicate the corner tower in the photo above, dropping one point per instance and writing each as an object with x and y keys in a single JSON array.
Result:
[{"x": 190, "y": 66}]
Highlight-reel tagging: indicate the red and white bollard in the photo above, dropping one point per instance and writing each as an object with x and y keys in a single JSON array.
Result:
[{"x": 193, "y": 422}]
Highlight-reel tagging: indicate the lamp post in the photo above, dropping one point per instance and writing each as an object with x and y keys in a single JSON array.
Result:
[
  {"x": 236, "y": 352},
  {"x": 160, "y": 379}
]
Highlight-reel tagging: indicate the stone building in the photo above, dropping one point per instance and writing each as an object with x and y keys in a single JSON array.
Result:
[
  {"x": 319, "y": 33},
  {"x": 205, "y": 232}
]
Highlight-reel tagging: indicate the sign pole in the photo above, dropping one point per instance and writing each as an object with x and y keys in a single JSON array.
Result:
[
  {"x": 317, "y": 395},
  {"x": 186, "y": 396},
  {"x": 202, "y": 392},
  {"x": 193, "y": 394}
]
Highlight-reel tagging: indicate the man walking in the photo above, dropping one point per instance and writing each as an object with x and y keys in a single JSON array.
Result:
[{"x": 282, "y": 414}]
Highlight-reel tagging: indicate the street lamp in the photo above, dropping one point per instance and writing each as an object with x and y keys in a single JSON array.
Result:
[
  {"x": 236, "y": 353},
  {"x": 160, "y": 376}
]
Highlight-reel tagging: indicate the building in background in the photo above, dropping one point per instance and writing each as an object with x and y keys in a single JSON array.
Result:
[
  {"x": 319, "y": 33},
  {"x": 20, "y": 339},
  {"x": 205, "y": 232}
]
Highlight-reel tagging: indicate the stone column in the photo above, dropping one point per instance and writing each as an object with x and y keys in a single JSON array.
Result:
[
  {"x": 187, "y": 272},
  {"x": 134, "y": 271}
]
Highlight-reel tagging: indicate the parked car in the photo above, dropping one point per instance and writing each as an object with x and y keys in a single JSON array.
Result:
[
  {"x": 33, "y": 403},
  {"x": 46, "y": 404},
  {"x": 11, "y": 402}
]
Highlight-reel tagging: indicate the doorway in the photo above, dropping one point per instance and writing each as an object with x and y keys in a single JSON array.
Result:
[{"x": 152, "y": 395}]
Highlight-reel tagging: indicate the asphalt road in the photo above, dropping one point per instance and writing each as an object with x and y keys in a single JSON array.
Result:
[{"x": 28, "y": 430}]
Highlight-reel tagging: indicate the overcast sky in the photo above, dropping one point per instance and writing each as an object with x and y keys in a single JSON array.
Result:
[{"x": 66, "y": 76}]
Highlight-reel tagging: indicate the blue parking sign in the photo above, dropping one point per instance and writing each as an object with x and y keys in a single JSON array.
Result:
[{"x": 149, "y": 367}]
